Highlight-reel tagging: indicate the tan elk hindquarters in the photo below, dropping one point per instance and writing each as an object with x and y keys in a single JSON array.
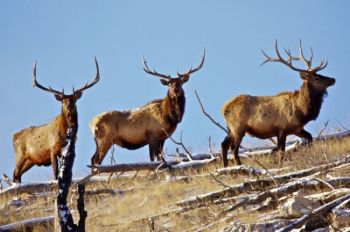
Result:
[
  {"x": 281, "y": 115},
  {"x": 40, "y": 145},
  {"x": 147, "y": 125}
]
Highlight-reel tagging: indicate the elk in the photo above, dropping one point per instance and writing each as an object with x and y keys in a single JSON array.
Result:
[
  {"x": 283, "y": 114},
  {"x": 150, "y": 124},
  {"x": 41, "y": 145}
]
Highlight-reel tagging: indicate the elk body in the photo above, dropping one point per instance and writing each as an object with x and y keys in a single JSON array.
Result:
[
  {"x": 41, "y": 145},
  {"x": 281, "y": 115},
  {"x": 148, "y": 125}
]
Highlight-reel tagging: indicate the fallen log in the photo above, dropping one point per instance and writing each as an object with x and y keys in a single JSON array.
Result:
[
  {"x": 321, "y": 211},
  {"x": 259, "y": 184},
  {"x": 141, "y": 166},
  {"x": 30, "y": 188},
  {"x": 29, "y": 225},
  {"x": 305, "y": 184}
]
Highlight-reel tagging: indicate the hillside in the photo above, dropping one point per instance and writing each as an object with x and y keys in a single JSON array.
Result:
[{"x": 253, "y": 196}]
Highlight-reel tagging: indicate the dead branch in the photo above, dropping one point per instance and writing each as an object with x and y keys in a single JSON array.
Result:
[
  {"x": 240, "y": 170},
  {"x": 8, "y": 180},
  {"x": 179, "y": 143},
  {"x": 208, "y": 116},
  {"x": 266, "y": 170},
  {"x": 141, "y": 166},
  {"x": 219, "y": 181},
  {"x": 258, "y": 184},
  {"x": 279, "y": 192},
  {"x": 28, "y": 225},
  {"x": 342, "y": 125},
  {"x": 324, "y": 127},
  {"x": 289, "y": 188},
  {"x": 323, "y": 210}
]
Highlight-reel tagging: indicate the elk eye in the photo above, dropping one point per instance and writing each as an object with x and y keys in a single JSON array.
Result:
[{"x": 317, "y": 78}]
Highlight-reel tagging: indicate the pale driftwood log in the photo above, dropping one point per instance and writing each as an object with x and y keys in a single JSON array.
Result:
[
  {"x": 7, "y": 180},
  {"x": 259, "y": 184},
  {"x": 240, "y": 170},
  {"x": 29, "y": 188},
  {"x": 276, "y": 193},
  {"x": 141, "y": 166},
  {"x": 323, "y": 210},
  {"x": 28, "y": 225},
  {"x": 289, "y": 188}
]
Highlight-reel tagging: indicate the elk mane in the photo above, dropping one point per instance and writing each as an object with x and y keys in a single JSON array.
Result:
[{"x": 310, "y": 101}]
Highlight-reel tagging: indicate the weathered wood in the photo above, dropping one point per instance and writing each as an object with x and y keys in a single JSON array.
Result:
[
  {"x": 81, "y": 207},
  {"x": 64, "y": 181},
  {"x": 321, "y": 211},
  {"x": 305, "y": 184},
  {"x": 261, "y": 183},
  {"x": 141, "y": 166},
  {"x": 28, "y": 225},
  {"x": 29, "y": 188}
]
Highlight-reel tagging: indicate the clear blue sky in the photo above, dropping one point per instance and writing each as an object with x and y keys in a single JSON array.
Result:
[{"x": 64, "y": 36}]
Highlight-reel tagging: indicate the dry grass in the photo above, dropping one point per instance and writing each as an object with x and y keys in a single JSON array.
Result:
[{"x": 149, "y": 196}]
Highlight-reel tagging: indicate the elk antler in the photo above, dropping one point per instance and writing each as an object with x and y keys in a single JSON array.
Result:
[
  {"x": 168, "y": 77},
  {"x": 154, "y": 72},
  {"x": 86, "y": 86},
  {"x": 288, "y": 62},
  {"x": 36, "y": 83},
  {"x": 193, "y": 70}
]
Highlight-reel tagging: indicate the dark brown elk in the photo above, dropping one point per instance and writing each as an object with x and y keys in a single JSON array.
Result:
[
  {"x": 41, "y": 145},
  {"x": 281, "y": 115},
  {"x": 148, "y": 125}
]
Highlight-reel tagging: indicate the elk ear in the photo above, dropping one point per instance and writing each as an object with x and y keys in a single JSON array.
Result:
[
  {"x": 305, "y": 76},
  {"x": 58, "y": 97},
  {"x": 184, "y": 79},
  {"x": 164, "y": 82},
  {"x": 78, "y": 95}
]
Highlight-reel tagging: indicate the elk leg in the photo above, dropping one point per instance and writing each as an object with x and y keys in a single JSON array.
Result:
[
  {"x": 160, "y": 150},
  {"x": 17, "y": 172},
  {"x": 281, "y": 145},
  {"x": 54, "y": 163},
  {"x": 152, "y": 151},
  {"x": 305, "y": 135},
  {"x": 225, "y": 146},
  {"x": 27, "y": 164},
  {"x": 100, "y": 153},
  {"x": 235, "y": 149}
]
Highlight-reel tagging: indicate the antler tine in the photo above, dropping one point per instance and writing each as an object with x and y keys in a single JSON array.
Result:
[
  {"x": 154, "y": 72},
  {"x": 193, "y": 70},
  {"x": 36, "y": 83},
  {"x": 87, "y": 85},
  {"x": 302, "y": 57},
  {"x": 323, "y": 65},
  {"x": 283, "y": 61},
  {"x": 268, "y": 58}
]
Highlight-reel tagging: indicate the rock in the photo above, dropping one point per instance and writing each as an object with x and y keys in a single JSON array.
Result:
[{"x": 298, "y": 206}]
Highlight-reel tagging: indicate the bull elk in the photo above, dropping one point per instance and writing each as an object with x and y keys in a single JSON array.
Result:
[
  {"x": 281, "y": 115},
  {"x": 150, "y": 124},
  {"x": 41, "y": 145}
]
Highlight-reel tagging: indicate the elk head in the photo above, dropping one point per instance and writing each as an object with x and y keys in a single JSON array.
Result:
[
  {"x": 309, "y": 75},
  {"x": 69, "y": 109},
  {"x": 174, "y": 84}
]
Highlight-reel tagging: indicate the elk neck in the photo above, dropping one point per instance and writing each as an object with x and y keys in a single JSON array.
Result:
[
  {"x": 174, "y": 108},
  {"x": 67, "y": 120},
  {"x": 310, "y": 101}
]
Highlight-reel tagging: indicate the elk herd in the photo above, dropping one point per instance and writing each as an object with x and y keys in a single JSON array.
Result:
[{"x": 260, "y": 116}]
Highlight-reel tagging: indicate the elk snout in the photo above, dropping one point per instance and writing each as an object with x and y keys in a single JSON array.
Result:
[{"x": 332, "y": 81}]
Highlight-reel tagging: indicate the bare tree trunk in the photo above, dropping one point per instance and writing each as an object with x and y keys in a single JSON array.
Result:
[{"x": 64, "y": 181}]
